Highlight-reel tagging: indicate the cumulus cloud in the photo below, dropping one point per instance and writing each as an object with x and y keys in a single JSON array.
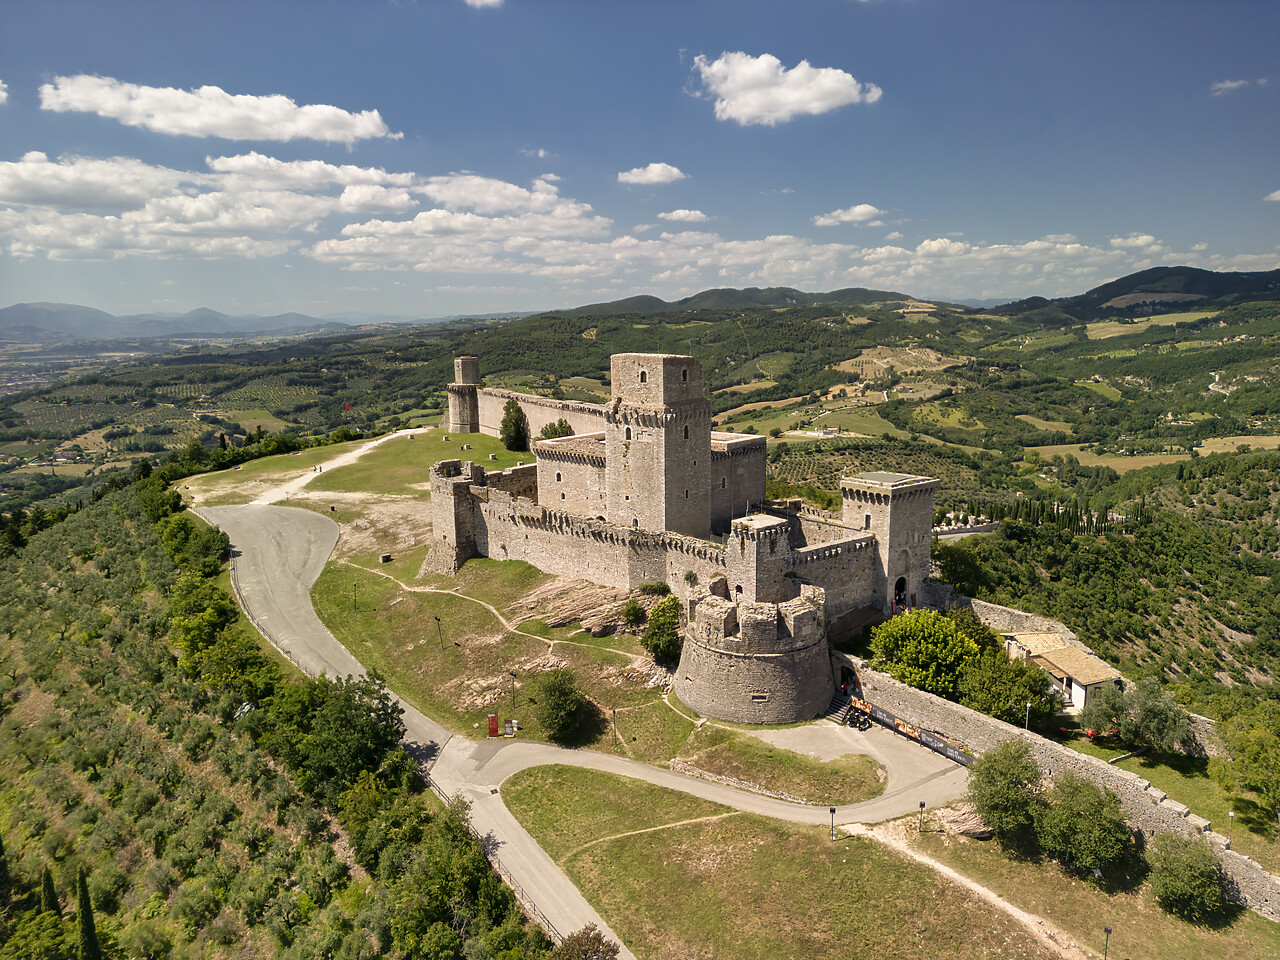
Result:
[
  {"x": 303, "y": 174},
  {"x": 858, "y": 213},
  {"x": 210, "y": 111},
  {"x": 1274, "y": 195},
  {"x": 483, "y": 4},
  {"x": 539, "y": 153},
  {"x": 86, "y": 183},
  {"x": 760, "y": 90},
  {"x": 1134, "y": 240},
  {"x": 687, "y": 216},
  {"x": 1060, "y": 237},
  {"x": 896, "y": 235},
  {"x": 654, "y": 173},
  {"x": 4, "y": 92},
  {"x": 1226, "y": 86}
]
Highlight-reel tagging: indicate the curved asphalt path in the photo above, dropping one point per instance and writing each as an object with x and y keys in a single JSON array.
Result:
[{"x": 278, "y": 552}]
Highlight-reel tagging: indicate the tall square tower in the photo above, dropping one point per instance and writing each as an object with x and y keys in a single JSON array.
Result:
[
  {"x": 658, "y": 444},
  {"x": 898, "y": 509}
]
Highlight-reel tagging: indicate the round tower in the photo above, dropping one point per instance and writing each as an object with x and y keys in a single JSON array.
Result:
[{"x": 464, "y": 397}]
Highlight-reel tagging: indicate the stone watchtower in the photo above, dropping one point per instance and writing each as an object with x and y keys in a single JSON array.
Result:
[
  {"x": 658, "y": 445},
  {"x": 464, "y": 397},
  {"x": 898, "y": 509}
]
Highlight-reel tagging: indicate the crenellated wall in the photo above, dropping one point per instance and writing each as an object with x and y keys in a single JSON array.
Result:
[
  {"x": 540, "y": 411},
  {"x": 756, "y": 662}
]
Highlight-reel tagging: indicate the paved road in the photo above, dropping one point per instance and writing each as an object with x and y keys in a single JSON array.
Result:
[{"x": 278, "y": 554}]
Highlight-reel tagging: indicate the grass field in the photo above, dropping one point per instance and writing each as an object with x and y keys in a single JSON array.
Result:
[
  {"x": 1105, "y": 389},
  {"x": 1105, "y": 329},
  {"x": 848, "y": 779},
  {"x": 743, "y": 886},
  {"x": 1117, "y": 463},
  {"x": 1046, "y": 424},
  {"x": 1140, "y": 929},
  {"x": 402, "y": 466}
]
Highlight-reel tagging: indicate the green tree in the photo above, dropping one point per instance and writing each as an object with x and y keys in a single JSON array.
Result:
[
  {"x": 514, "y": 431},
  {"x": 561, "y": 428},
  {"x": 585, "y": 944},
  {"x": 49, "y": 894},
  {"x": 1253, "y": 737},
  {"x": 662, "y": 635},
  {"x": 1083, "y": 827},
  {"x": 86, "y": 931},
  {"x": 1004, "y": 787},
  {"x": 38, "y": 935},
  {"x": 924, "y": 649},
  {"x": 6, "y": 879},
  {"x": 1146, "y": 717},
  {"x": 560, "y": 704},
  {"x": 1186, "y": 878},
  {"x": 999, "y": 687},
  {"x": 633, "y": 612}
]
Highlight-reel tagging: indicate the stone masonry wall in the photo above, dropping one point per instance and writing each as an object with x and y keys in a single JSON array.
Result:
[
  {"x": 540, "y": 411},
  {"x": 1146, "y": 807}
]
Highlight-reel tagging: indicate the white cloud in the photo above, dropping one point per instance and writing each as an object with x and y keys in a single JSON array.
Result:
[
  {"x": 896, "y": 235},
  {"x": 4, "y": 92},
  {"x": 759, "y": 90},
  {"x": 686, "y": 216},
  {"x": 85, "y": 183},
  {"x": 654, "y": 173},
  {"x": 484, "y": 4},
  {"x": 1226, "y": 86},
  {"x": 858, "y": 213},
  {"x": 1060, "y": 237},
  {"x": 210, "y": 111},
  {"x": 303, "y": 174},
  {"x": 1133, "y": 240},
  {"x": 1274, "y": 195},
  {"x": 539, "y": 154}
]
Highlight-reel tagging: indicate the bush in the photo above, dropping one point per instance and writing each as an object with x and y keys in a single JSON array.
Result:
[
  {"x": 633, "y": 612},
  {"x": 1083, "y": 828},
  {"x": 560, "y": 704},
  {"x": 514, "y": 431},
  {"x": 662, "y": 636},
  {"x": 1186, "y": 878},
  {"x": 655, "y": 589},
  {"x": 1004, "y": 787}
]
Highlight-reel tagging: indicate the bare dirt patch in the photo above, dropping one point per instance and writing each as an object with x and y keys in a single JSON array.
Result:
[{"x": 560, "y": 602}]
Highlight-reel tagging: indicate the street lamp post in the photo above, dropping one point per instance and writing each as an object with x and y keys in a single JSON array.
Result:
[
  {"x": 1231, "y": 826},
  {"x": 1106, "y": 947},
  {"x": 921, "y": 816},
  {"x": 833, "y": 823},
  {"x": 1028, "y": 723},
  {"x": 513, "y": 685},
  {"x": 440, "y": 634}
]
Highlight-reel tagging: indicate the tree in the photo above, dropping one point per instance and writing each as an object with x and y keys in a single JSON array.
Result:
[
  {"x": 561, "y": 428},
  {"x": 1145, "y": 717},
  {"x": 1083, "y": 827},
  {"x": 6, "y": 880},
  {"x": 999, "y": 687},
  {"x": 924, "y": 649},
  {"x": 662, "y": 635},
  {"x": 585, "y": 944},
  {"x": 560, "y": 704},
  {"x": 1186, "y": 878},
  {"x": 514, "y": 431},
  {"x": 1004, "y": 787},
  {"x": 1253, "y": 737},
  {"x": 86, "y": 932},
  {"x": 49, "y": 895}
]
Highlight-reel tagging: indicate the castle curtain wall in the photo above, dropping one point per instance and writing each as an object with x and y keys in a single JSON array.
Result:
[{"x": 540, "y": 411}]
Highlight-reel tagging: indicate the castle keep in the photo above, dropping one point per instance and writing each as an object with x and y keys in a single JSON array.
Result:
[{"x": 646, "y": 491}]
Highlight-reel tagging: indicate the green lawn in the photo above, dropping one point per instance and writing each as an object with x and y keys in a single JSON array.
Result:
[
  {"x": 402, "y": 466},
  {"x": 1140, "y": 929},
  {"x": 743, "y": 886},
  {"x": 848, "y": 779}
]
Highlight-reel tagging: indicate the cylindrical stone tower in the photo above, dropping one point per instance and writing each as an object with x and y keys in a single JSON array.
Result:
[{"x": 464, "y": 399}]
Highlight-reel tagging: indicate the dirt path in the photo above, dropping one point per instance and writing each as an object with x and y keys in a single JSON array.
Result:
[
  {"x": 633, "y": 833},
  {"x": 291, "y": 487},
  {"x": 893, "y": 835}
]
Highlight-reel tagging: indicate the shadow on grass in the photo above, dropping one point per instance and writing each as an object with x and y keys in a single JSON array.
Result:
[
  {"x": 592, "y": 725},
  {"x": 1255, "y": 817}
]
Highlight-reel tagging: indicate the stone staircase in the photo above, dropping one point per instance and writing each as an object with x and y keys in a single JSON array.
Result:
[{"x": 839, "y": 708}]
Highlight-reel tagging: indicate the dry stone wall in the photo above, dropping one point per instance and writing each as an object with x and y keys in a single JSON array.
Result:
[{"x": 1146, "y": 807}]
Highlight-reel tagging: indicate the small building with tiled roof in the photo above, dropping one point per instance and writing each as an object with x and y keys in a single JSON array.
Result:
[{"x": 1077, "y": 673}]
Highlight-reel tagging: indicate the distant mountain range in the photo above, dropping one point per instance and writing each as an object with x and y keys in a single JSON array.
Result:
[
  {"x": 1157, "y": 290},
  {"x": 731, "y": 299},
  {"x": 61, "y": 322}
]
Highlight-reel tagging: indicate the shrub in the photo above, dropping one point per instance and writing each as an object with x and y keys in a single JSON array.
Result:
[
  {"x": 1004, "y": 787},
  {"x": 1186, "y": 878},
  {"x": 1083, "y": 828},
  {"x": 655, "y": 589},
  {"x": 514, "y": 431},
  {"x": 662, "y": 636},
  {"x": 560, "y": 704},
  {"x": 633, "y": 612}
]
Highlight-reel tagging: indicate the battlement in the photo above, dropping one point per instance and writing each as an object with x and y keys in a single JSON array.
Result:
[{"x": 655, "y": 379}]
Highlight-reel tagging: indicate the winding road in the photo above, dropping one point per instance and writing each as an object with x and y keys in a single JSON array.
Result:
[{"x": 278, "y": 552}]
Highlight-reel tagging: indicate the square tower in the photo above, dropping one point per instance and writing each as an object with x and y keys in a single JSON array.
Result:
[
  {"x": 658, "y": 445},
  {"x": 898, "y": 509}
]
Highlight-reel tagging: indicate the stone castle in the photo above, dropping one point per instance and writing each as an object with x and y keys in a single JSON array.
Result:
[{"x": 645, "y": 491}]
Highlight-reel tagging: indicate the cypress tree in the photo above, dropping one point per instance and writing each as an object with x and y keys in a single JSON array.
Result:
[
  {"x": 48, "y": 895},
  {"x": 4, "y": 875},
  {"x": 86, "y": 932}
]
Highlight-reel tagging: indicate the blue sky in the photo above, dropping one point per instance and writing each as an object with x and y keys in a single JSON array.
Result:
[{"x": 456, "y": 156}]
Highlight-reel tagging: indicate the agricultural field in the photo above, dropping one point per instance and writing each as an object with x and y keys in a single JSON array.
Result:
[
  {"x": 1106, "y": 329},
  {"x": 878, "y": 360}
]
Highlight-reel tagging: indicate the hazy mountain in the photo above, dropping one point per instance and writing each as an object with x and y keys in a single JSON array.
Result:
[
  {"x": 61, "y": 322},
  {"x": 731, "y": 299}
]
